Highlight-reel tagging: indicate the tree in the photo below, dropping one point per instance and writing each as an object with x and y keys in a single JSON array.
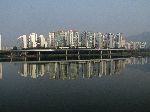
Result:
[{"x": 14, "y": 48}]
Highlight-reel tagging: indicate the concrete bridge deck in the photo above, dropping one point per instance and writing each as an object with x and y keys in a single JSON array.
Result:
[{"x": 40, "y": 50}]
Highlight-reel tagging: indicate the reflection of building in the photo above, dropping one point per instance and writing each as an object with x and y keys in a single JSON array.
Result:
[
  {"x": 62, "y": 70},
  {"x": 1, "y": 72},
  {"x": 72, "y": 70},
  {"x": 133, "y": 60},
  {"x": 23, "y": 70},
  {"x": 111, "y": 67},
  {"x": 54, "y": 70},
  {"x": 34, "y": 70}
]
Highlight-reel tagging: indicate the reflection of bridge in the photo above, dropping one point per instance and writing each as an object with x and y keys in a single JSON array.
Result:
[{"x": 74, "y": 69}]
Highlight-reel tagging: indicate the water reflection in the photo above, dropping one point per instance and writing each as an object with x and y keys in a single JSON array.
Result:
[
  {"x": 133, "y": 60},
  {"x": 1, "y": 72},
  {"x": 77, "y": 69}
]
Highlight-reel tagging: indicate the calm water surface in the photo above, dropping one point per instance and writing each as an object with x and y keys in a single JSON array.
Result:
[{"x": 119, "y": 85}]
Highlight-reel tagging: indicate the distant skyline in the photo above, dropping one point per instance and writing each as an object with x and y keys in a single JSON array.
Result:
[{"x": 18, "y": 17}]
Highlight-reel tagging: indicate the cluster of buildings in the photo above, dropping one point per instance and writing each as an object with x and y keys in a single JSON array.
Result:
[
  {"x": 135, "y": 45},
  {"x": 74, "y": 39}
]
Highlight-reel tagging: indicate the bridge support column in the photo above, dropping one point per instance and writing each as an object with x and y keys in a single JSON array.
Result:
[
  {"x": 25, "y": 53},
  {"x": 66, "y": 55},
  {"x": 11, "y": 55},
  {"x": 89, "y": 54},
  {"x": 39, "y": 56},
  {"x": 78, "y": 55},
  {"x": 11, "y": 59},
  {"x": 101, "y": 54},
  {"x": 110, "y": 54},
  {"x": 25, "y": 56}
]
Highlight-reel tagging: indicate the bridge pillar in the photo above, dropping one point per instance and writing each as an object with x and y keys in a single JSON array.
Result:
[
  {"x": 110, "y": 54},
  {"x": 11, "y": 54},
  {"x": 11, "y": 59},
  {"x": 78, "y": 55},
  {"x": 25, "y": 53},
  {"x": 101, "y": 54},
  {"x": 89, "y": 53},
  {"x": 25, "y": 56},
  {"x": 39, "y": 56},
  {"x": 66, "y": 55}
]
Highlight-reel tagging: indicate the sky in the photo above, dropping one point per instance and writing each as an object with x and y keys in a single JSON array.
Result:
[{"x": 18, "y": 17}]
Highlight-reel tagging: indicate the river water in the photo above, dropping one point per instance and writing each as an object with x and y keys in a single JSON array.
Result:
[{"x": 106, "y": 85}]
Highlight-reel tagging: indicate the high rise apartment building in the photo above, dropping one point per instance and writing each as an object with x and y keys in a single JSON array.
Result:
[
  {"x": 72, "y": 38},
  {"x": 24, "y": 42},
  {"x": 51, "y": 40},
  {"x": 88, "y": 39},
  {"x": 33, "y": 40},
  {"x": 99, "y": 38},
  {"x": 60, "y": 39},
  {"x": 42, "y": 41}
]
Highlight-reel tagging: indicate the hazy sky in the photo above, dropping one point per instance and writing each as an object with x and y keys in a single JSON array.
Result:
[{"x": 18, "y": 17}]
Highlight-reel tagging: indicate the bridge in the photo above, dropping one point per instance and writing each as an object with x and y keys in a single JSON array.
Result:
[
  {"x": 85, "y": 49},
  {"x": 66, "y": 54}
]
